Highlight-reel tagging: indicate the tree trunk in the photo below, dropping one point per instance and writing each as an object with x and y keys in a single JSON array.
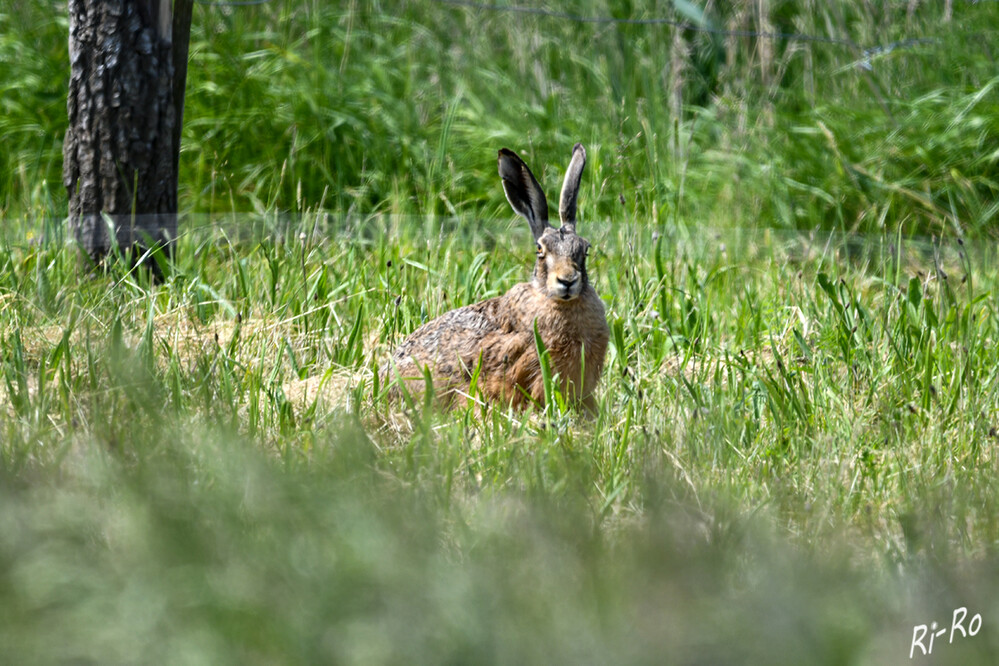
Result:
[{"x": 120, "y": 156}]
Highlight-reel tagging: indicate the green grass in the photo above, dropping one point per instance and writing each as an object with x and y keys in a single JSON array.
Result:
[
  {"x": 365, "y": 106},
  {"x": 793, "y": 457},
  {"x": 791, "y": 432}
]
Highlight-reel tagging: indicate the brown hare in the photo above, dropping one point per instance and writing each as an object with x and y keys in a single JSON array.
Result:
[{"x": 495, "y": 338}]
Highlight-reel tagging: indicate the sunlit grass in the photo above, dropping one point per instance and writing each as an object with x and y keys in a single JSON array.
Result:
[
  {"x": 774, "y": 408},
  {"x": 366, "y": 107},
  {"x": 792, "y": 458}
]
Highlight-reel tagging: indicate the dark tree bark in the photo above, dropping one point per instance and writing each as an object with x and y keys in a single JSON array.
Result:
[{"x": 126, "y": 93}]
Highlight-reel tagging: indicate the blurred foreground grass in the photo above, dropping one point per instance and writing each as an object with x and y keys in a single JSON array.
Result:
[{"x": 200, "y": 548}]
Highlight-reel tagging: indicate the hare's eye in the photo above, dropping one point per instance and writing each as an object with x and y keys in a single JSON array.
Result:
[{"x": 541, "y": 250}]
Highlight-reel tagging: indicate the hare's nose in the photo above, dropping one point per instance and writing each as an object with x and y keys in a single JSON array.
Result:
[{"x": 568, "y": 283}]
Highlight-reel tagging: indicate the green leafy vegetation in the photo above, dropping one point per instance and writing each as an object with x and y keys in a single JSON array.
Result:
[
  {"x": 793, "y": 455},
  {"x": 885, "y": 121}
]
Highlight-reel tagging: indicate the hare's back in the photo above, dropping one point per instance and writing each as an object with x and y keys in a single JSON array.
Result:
[{"x": 450, "y": 341}]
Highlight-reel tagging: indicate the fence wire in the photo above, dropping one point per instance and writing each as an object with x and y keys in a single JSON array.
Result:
[
  {"x": 866, "y": 53},
  {"x": 676, "y": 23}
]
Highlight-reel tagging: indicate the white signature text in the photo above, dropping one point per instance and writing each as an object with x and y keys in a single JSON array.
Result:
[{"x": 923, "y": 635}]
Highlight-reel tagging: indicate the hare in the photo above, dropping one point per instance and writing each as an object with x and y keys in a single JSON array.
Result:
[{"x": 495, "y": 338}]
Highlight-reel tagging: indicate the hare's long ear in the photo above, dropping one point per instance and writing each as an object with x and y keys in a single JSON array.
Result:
[
  {"x": 523, "y": 192},
  {"x": 570, "y": 188}
]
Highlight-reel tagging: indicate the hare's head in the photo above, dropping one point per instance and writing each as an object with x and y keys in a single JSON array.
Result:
[{"x": 560, "y": 272}]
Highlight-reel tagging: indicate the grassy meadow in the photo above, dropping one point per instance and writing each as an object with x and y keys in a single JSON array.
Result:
[{"x": 793, "y": 460}]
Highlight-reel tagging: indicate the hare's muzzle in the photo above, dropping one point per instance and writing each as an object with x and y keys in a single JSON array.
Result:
[{"x": 565, "y": 286}]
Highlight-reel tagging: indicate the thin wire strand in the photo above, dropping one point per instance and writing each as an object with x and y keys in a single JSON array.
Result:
[
  {"x": 865, "y": 62},
  {"x": 232, "y": 3},
  {"x": 577, "y": 18}
]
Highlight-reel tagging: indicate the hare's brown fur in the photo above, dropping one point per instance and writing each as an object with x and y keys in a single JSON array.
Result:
[{"x": 496, "y": 337}]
